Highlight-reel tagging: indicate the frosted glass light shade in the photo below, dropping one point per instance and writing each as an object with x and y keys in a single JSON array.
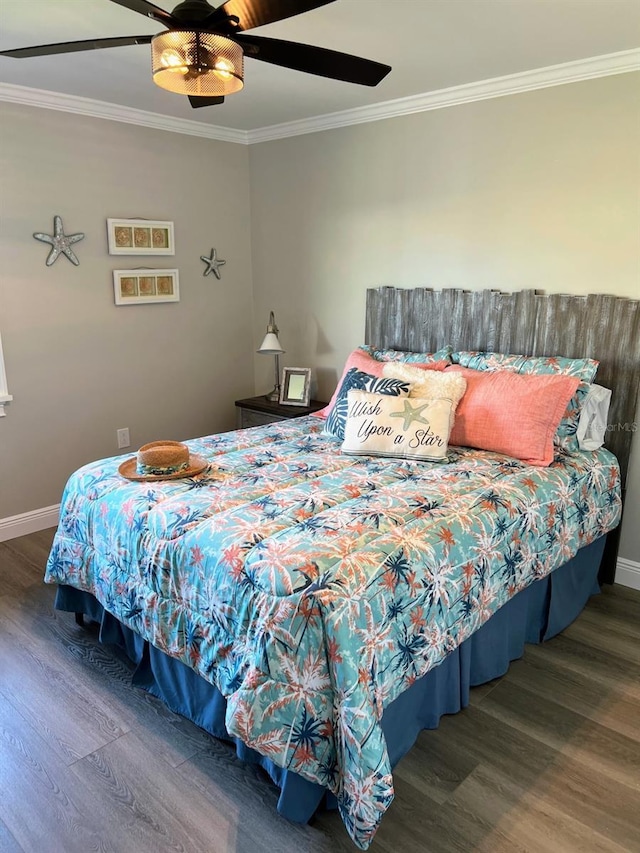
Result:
[{"x": 190, "y": 62}]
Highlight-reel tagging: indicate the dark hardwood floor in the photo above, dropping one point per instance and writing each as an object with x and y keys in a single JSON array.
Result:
[{"x": 545, "y": 759}]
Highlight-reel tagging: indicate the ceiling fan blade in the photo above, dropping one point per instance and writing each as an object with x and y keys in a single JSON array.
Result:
[
  {"x": 149, "y": 10},
  {"x": 257, "y": 13},
  {"x": 314, "y": 60},
  {"x": 75, "y": 46},
  {"x": 199, "y": 101}
]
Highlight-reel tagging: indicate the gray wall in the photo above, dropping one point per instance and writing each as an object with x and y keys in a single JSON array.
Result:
[
  {"x": 537, "y": 190},
  {"x": 78, "y": 366},
  {"x": 533, "y": 190}
]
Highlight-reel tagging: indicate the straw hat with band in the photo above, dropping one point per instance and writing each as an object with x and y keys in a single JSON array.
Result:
[{"x": 163, "y": 460}]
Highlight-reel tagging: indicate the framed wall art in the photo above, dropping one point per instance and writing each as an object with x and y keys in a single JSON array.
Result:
[
  {"x": 140, "y": 237},
  {"x": 295, "y": 387},
  {"x": 137, "y": 287}
]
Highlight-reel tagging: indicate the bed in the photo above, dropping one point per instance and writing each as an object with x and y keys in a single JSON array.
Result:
[{"x": 320, "y": 609}]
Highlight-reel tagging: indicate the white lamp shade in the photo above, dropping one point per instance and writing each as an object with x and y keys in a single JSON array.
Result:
[{"x": 270, "y": 345}]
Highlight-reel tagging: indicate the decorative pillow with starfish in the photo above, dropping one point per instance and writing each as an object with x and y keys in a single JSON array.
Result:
[{"x": 401, "y": 427}]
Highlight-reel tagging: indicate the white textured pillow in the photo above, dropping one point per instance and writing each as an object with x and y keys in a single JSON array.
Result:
[
  {"x": 379, "y": 425},
  {"x": 592, "y": 426},
  {"x": 429, "y": 384}
]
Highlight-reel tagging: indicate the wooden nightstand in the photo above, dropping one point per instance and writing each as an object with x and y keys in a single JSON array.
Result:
[{"x": 256, "y": 411}]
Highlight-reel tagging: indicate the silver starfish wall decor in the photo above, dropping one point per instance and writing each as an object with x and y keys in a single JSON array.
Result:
[
  {"x": 60, "y": 242},
  {"x": 213, "y": 263}
]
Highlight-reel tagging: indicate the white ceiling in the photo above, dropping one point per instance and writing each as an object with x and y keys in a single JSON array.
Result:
[{"x": 430, "y": 44}]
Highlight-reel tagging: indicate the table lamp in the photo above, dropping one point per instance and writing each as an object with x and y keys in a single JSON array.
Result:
[{"x": 271, "y": 346}]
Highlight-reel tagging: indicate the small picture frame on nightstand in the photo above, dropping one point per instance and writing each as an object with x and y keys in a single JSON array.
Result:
[{"x": 295, "y": 387}]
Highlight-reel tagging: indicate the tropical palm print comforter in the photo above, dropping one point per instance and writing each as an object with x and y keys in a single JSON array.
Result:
[{"x": 313, "y": 587}]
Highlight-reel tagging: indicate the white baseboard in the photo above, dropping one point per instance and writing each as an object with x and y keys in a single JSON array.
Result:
[
  {"x": 29, "y": 522},
  {"x": 628, "y": 573}
]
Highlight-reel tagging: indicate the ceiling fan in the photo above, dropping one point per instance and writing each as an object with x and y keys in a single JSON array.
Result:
[{"x": 201, "y": 53}]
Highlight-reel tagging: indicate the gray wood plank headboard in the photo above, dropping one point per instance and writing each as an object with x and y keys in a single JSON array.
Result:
[{"x": 529, "y": 322}]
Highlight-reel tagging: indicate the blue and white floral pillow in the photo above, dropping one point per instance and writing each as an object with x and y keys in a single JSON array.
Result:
[{"x": 356, "y": 379}]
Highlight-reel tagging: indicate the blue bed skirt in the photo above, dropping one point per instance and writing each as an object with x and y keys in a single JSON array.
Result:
[{"x": 537, "y": 613}]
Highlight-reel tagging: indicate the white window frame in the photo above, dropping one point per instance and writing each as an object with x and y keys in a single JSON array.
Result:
[{"x": 5, "y": 397}]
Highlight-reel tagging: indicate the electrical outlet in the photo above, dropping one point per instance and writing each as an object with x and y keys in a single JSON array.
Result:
[{"x": 123, "y": 438}]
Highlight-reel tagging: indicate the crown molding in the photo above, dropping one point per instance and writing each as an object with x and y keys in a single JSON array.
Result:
[
  {"x": 115, "y": 112},
  {"x": 495, "y": 87}
]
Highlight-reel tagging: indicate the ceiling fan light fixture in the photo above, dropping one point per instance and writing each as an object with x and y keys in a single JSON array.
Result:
[{"x": 190, "y": 62}]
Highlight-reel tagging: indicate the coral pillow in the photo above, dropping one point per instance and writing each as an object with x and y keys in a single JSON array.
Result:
[
  {"x": 368, "y": 364},
  {"x": 584, "y": 368},
  {"x": 511, "y": 413}
]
